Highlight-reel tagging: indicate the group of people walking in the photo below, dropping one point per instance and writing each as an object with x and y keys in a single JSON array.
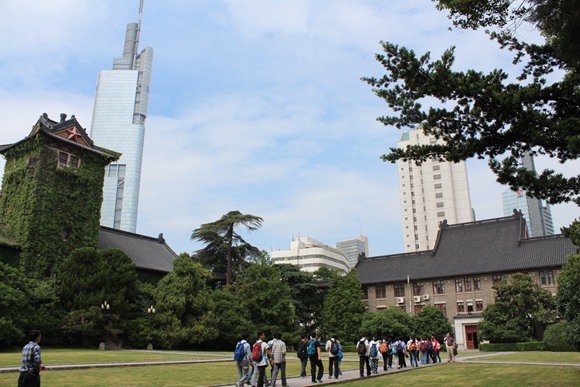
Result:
[{"x": 257, "y": 357}]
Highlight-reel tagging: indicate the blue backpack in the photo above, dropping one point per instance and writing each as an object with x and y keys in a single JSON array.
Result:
[
  {"x": 374, "y": 351},
  {"x": 311, "y": 348},
  {"x": 240, "y": 353}
]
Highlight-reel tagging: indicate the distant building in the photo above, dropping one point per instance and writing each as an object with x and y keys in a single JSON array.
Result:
[
  {"x": 430, "y": 193},
  {"x": 353, "y": 247},
  {"x": 458, "y": 274},
  {"x": 537, "y": 213},
  {"x": 118, "y": 123},
  {"x": 310, "y": 255}
]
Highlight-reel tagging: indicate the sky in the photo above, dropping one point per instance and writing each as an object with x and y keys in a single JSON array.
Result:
[{"x": 255, "y": 106}]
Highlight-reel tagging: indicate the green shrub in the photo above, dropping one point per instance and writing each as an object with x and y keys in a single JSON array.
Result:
[
  {"x": 512, "y": 347},
  {"x": 532, "y": 346},
  {"x": 349, "y": 348},
  {"x": 555, "y": 338}
]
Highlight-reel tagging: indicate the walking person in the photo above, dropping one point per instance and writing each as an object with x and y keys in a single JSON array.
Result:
[
  {"x": 384, "y": 352},
  {"x": 31, "y": 362},
  {"x": 260, "y": 355},
  {"x": 278, "y": 360},
  {"x": 392, "y": 352},
  {"x": 362, "y": 349},
  {"x": 243, "y": 358},
  {"x": 333, "y": 348},
  {"x": 449, "y": 345},
  {"x": 374, "y": 354},
  {"x": 436, "y": 348},
  {"x": 302, "y": 354},
  {"x": 315, "y": 360},
  {"x": 401, "y": 349}
]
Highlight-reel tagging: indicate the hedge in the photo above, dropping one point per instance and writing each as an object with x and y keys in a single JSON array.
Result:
[{"x": 512, "y": 347}]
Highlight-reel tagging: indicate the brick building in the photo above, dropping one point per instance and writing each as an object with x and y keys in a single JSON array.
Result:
[{"x": 457, "y": 275}]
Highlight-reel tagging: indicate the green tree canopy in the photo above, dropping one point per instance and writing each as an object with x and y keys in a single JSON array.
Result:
[
  {"x": 483, "y": 115},
  {"x": 306, "y": 297},
  {"x": 221, "y": 237},
  {"x": 343, "y": 309},
  {"x": 518, "y": 307},
  {"x": 233, "y": 318},
  {"x": 391, "y": 322},
  {"x": 267, "y": 296},
  {"x": 430, "y": 321},
  {"x": 568, "y": 297},
  {"x": 184, "y": 308},
  {"x": 13, "y": 304}
]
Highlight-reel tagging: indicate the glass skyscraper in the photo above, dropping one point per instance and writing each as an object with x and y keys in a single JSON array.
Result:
[
  {"x": 119, "y": 124},
  {"x": 353, "y": 247},
  {"x": 537, "y": 213}
]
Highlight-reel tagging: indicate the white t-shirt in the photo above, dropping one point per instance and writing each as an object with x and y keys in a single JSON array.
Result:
[
  {"x": 378, "y": 344},
  {"x": 264, "y": 353}
]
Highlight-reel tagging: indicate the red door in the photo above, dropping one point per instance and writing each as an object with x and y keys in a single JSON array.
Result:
[{"x": 471, "y": 336}]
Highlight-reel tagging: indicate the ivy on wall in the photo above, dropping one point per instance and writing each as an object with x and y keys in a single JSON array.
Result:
[{"x": 47, "y": 209}]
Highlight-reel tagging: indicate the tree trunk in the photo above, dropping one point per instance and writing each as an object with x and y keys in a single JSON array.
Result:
[{"x": 229, "y": 268}]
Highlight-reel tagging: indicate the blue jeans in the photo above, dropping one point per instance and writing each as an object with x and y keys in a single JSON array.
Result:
[
  {"x": 414, "y": 356},
  {"x": 304, "y": 364}
]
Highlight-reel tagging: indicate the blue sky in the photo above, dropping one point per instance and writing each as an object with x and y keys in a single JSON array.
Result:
[{"x": 255, "y": 106}]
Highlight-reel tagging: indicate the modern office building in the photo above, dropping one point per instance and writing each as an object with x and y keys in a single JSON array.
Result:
[
  {"x": 537, "y": 214},
  {"x": 310, "y": 255},
  {"x": 119, "y": 123},
  {"x": 353, "y": 247},
  {"x": 430, "y": 193}
]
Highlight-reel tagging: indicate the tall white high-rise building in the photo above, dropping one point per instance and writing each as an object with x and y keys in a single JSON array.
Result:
[
  {"x": 537, "y": 214},
  {"x": 430, "y": 193},
  {"x": 353, "y": 247},
  {"x": 119, "y": 124}
]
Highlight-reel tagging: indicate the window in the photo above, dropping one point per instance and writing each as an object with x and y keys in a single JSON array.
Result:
[
  {"x": 477, "y": 284},
  {"x": 460, "y": 307},
  {"x": 403, "y": 308},
  {"x": 467, "y": 284},
  {"x": 497, "y": 278},
  {"x": 437, "y": 177},
  {"x": 438, "y": 287},
  {"x": 113, "y": 171},
  {"x": 414, "y": 210},
  {"x": 440, "y": 204},
  {"x": 412, "y": 202},
  {"x": 478, "y": 306},
  {"x": 400, "y": 290},
  {"x": 469, "y": 307},
  {"x": 438, "y": 195},
  {"x": 418, "y": 308},
  {"x": 546, "y": 278},
  {"x": 380, "y": 308},
  {"x": 380, "y": 291},
  {"x": 121, "y": 171},
  {"x": 432, "y": 141},
  {"x": 415, "y": 226},
  {"x": 441, "y": 214},
  {"x": 417, "y": 247},
  {"x": 438, "y": 186},
  {"x": 418, "y": 289},
  {"x": 74, "y": 161},
  {"x": 436, "y": 167},
  {"x": 62, "y": 158},
  {"x": 416, "y": 237},
  {"x": 442, "y": 307},
  {"x": 458, "y": 286},
  {"x": 365, "y": 295},
  {"x": 403, "y": 184},
  {"x": 412, "y": 193},
  {"x": 411, "y": 177}
]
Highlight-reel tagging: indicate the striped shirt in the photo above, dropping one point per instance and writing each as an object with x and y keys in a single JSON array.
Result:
[{"x": 27, "y": 351}]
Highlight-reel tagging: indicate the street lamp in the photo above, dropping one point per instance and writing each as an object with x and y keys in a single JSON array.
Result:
[
  {"x": 105, "y": 308},
  {"x": 150, "y": 312}
]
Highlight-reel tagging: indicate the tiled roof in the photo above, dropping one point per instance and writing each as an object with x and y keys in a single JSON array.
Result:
[
  {"x": 48, "y": 127},
  {"x": 146, "y": 252},
  {"x": 483, "y": 247}
]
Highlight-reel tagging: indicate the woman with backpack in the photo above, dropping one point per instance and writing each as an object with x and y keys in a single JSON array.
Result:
[
  {"x": 332, "y": 347},
  {"x": 436, "y": 348},
  {"x": 384, "y": 352},
  {"x": 374, "y": 354},
  {"x": 413, "y": 352}
]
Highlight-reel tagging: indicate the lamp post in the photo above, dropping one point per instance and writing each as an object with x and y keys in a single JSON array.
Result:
[
  {"x": 105, "y": 308},
  {"x": 150, "y": 313}
]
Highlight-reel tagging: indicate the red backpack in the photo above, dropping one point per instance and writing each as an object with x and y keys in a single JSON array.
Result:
[{"x": 257, "y": 353}]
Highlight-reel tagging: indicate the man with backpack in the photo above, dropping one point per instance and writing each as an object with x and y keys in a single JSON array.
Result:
[
  {"x": 333, "y": 347},
  {"x": 243, "y": 358},
  {"x": 362, "y": 348},
  {"x": 260, "y": 353},
  {"x": 315, "y": 360},
  {"x": 302, "y": 354}
]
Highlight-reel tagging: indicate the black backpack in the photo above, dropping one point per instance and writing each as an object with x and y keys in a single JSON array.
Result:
[
  {"x": 334, "y": 347},
  {"x": 302, "y": 350},
  {"x": 361, "y": 348}
]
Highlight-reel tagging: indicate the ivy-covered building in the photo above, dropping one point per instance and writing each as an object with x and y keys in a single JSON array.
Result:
[{"x": 50, "y": 203}]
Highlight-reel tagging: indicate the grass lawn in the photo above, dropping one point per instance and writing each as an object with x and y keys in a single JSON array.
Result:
[
  {"x": 220, "y": 373},
  {"x": 479, "y": 375},
  {"x": 541, "y": 357},
  {"x": 76, "y": 356}
]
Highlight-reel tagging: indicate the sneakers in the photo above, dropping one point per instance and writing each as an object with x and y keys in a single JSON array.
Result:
[
  {"x": 319, "y": 380},
  {"x": 329, "y": 376}
]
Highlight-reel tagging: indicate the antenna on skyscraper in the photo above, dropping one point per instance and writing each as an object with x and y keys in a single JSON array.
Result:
[{"x": 137, "y": 35}]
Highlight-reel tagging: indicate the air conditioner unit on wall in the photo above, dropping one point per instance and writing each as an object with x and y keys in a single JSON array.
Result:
[
  {"x": 425, "y": 297},
  {"x": 417, "y": 299},
  {"x": 400, "y": 300}
]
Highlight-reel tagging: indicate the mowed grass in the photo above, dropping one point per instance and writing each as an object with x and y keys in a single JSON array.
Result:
[
  {"x": 456, "y": 374},
  {"x": 78, "y": 356},
  {"x": 540, "y": 357}
]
